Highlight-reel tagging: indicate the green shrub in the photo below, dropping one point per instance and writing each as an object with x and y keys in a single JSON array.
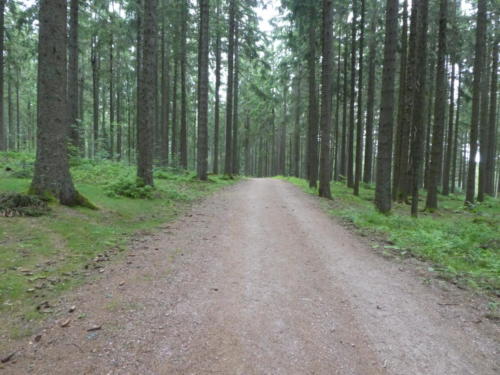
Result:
[
  {"x": 130, "y": 189},
  {"x": 16, "y": 204}
]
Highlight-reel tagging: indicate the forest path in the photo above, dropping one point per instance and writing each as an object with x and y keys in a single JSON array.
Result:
[{"x": 258, "y": 279}]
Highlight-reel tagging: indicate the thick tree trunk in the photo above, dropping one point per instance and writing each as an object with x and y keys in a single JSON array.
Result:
[
  {"x": 326, "y": 100},
  {"x": 147, "y": 95},
  {"x": 417, "y": 130},
  {"x": 202, "y": 165},
  {"x": 384, "y": 155},
  {"x": 52, "y": 175},
  {"x": 435, "y": 168},
  {"x": 476, "y": 96}
]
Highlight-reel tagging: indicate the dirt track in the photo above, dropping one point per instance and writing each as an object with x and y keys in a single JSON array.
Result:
[{"x": 259, "y": 280}]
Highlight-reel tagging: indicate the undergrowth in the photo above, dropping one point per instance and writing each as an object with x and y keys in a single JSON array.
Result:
[
  {"x": 462, "y": 244},
  {"x": 42, "y": 256}
]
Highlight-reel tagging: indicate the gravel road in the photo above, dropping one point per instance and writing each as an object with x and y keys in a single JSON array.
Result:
[{"x": 258, "y": 279}]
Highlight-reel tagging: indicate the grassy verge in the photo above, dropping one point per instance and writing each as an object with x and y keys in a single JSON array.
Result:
[
  {"x": 462, "y": 245},
  {"x": 43, "y": 256}
]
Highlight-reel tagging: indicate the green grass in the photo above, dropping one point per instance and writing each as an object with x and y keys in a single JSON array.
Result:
[
  {"x": 463, "y": 244},
  {"x": 42, "y": 256}
]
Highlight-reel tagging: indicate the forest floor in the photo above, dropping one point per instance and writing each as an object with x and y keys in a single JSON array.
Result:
[{"x": 259, "y": 279}]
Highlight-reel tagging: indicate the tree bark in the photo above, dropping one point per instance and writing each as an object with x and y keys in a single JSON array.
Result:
[
  {"x": 95, "y": 61},
  {"x": 435, "y": 168},
  {"x": 359, "y": 125},
  {"x": 476, "y": 96},
  {"x": 384, "y": 155},
  {"x": 312, "y": 134},
  {"x": 202, "y": 165},
  {"x": 367, "y": 176},
  {"x": 52, "y": 176},
  {"x": 492, "y": 139},
  {"x": 449, "y": 145},
  {"x": 183, "y": 53},
  {"x": 165, "y": 97},
  {"x": 3, "y": 133},
  {"x": 417, "y": 129},
  {"x": 147, "y": 95},
  {"x": 228, "y": 166},
  {"x": 326, "y": 100},
  {"x": 73, "y": 77},
  {"x": 217, "y": 91},
  {"x": 350, "y": 143},
  {"x": 236, "y": 92}
]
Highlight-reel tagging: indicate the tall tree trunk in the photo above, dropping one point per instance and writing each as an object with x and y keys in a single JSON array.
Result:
[
  {"x": 326, "y": 100},
  {"x": 336, "y": 169},
  {"x": 228, "y": 166},
  {"x": 417, "y": 129},
  {"x": 492, "y": 121},
  {"x": 476, "y": 99},
  {"x": 312, "y": 134},
  {"x": 183, "y": 52},
  {"x": 3, "y": 133},
  {"x": 350, "y": 143},
  {"x": 111, "y": 144},
  {"x": 165, "y": 96},
  {"x": 147, "y": 95},
  {"x": 235, "y": 147},
  {"x": 95, "y": 60},
  {"x": 401, "y": 173},
  {"x": 450, "y": 135},
  {"x": 73, "y": 77},
  {"x": 10, "y": 104},
  {"x": 483, "y": 131},
  {"x": 217, "y": 91},
  {"x": 435, "y": 168},
  {"x": 174, "y": 148},
  {"x": 296, "y": 159},
  {"x": 400, "y": 124},
  {"x": 359, "y": 125},
  {"x": 248, "y": 168},
  {"x": 384, "y": 155},
  {"x": 367, "y": 176},
  {"x": 455, "y": 141},
  {"x": 202, "y": 165},
  {"x": 52, "y": 175},
  {"x": 345, "y": 95}
]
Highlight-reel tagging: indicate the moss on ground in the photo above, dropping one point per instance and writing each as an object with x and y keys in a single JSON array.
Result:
[{"x": 43, "y": 256}]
